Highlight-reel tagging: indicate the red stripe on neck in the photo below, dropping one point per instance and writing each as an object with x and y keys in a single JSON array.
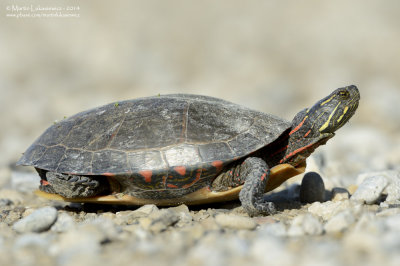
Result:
[
  {"x": 293, "y": 153},
  {"x": 298, "y": 126}
]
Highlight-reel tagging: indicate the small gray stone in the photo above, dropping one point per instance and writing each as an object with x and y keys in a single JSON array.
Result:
[
  {"x": 328, "y": 209},
  {"x": 107, "y": 228},
  {"x": 32, "y": 240},
  {"x": 40, "y": 220},
  {"x": 339, "y": 194},
  {"x": 131, "y": 217},
  {"x": 147, "y": 209},
  {"x": 311, "y": 225},
  {"x": 64, "y": 223},
  {"x": 81, "y": 241},
  {"x": 11, "y": 216},
  {"x": 312, "y": 188},
  {"x": 235, "y": 221},
  {"x": 272, "y": 229},
  {"x": 306, "y": 224},
  {"x": 340, "y": 222},
  {"x": 295, "y": 230},
  {"x": 159, "y": 221},
  {"x": 393, "y": 189},
  {"x": 369, "y": 224},
  {"x": 370, "y": 189},
  {"x": 184, "y": 215}
]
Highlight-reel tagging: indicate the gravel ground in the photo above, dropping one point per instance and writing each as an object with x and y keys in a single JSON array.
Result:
[
  {"x": 354, "y": 225},
  {"x": 271, "y": 56}
]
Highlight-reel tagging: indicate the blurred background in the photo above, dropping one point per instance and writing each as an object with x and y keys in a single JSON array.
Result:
[{"x": 273, "y": 56}]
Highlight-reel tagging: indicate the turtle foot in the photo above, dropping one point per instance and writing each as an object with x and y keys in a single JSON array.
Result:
[
  {"x": 74, "y": 186},
  {"x": 256, "y": 173}
]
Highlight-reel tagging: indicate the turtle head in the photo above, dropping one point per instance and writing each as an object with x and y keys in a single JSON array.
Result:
[
  {"x": 332, "y": 112},
  {"x": 316, "y": 125}
]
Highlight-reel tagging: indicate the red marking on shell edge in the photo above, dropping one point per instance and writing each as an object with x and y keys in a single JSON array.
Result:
[
  {"x": 146, "y": 175},
  {"x": 298, "y": 126},
  {"x": 198, "y": 175},
  {"x": 218, "y": 165},
  {"x": 172, "y": 186},
  {"x": 180, "y": 169},
  {"x": 44, "y": 182},
  {"x": 108, "y": 174}
]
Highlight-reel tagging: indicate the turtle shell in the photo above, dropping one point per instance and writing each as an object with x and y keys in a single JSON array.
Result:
[{"x": 175, "y": 144}]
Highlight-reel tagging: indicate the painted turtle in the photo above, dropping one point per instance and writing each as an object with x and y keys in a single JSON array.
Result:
[{"x": 181, "y": 148}]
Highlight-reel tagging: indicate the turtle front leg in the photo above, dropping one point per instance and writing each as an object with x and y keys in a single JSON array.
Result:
[
  {"x": 74, "y": 186},
  {"x": 256, "y": 173}
]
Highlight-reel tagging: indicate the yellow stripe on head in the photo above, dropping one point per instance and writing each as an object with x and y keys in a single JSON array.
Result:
[
  {"x": 344, "y": 112},
  {"x": 326, "y": 124},
  {"x": 327, "y": 101}
]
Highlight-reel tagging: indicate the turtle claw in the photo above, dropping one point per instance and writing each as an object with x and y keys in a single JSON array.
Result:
[{"x": 72, "y": 178}]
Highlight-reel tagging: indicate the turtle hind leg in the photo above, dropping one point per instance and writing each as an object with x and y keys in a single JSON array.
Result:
[
  {"x": 75, "y": 186},
  {"x": 256, "y": 173}
]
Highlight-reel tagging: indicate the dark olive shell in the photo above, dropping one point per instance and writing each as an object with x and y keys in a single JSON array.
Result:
[{"x": 179, "y": 139}]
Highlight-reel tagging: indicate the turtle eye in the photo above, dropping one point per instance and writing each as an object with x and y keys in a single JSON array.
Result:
[{"x": 344, "y": 94}]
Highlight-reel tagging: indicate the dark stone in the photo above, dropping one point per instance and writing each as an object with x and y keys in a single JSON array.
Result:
[{"x": 312, "y": 188}]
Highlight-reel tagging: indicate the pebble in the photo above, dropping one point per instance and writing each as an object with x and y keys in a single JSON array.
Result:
[
  {"x": 306, "y": 224},
  {"x": 339, "y": 194},
  {"x": 131, "y": 217},
  {"x": 328, "y": 209},
  {"x": 32, "y": 240},
  {"x": 40, "y": 220},
  {"x": 393, "y": 189},
  {"x": 64, "y": 223},
  {"x": 11, "y": 216},
  {"x": 235, "y": 222},
  {"x": 352, "y": 188},
  {"x": 159, "y": 221},
  {"x": 370, "y": 190},
  {"x": 184, "y": 215},
  {"x": 312, "y": 188},
  {"x": 311, "y": 225},
  {"x": 340, "y": 222},
  {"x": 273, "y": 229},
  {"x": 83, "y": 241}
]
